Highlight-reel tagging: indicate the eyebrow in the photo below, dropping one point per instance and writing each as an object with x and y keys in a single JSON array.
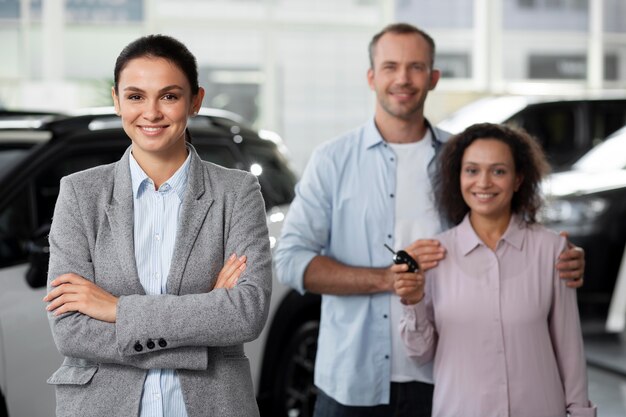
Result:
[
  {"x": 491, "y": 165},
  {"x": 162, "y": 90},
  {"x": 391, "y": 61}
]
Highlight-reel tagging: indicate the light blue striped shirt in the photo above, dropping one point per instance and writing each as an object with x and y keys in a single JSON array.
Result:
[{"x": 156, "y": 220}]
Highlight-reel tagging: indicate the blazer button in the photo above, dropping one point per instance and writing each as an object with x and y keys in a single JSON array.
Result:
[
  {"x": 150, "y": 344},
  {"x": 162, "y": 343},
  {"x": 138, "y": 346}
]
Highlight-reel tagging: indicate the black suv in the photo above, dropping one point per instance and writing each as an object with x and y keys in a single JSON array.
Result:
[
  {"x": 36, "y": 150},
  {"x": 566, "y": 127},
  {"x": 589, "y": 202}
]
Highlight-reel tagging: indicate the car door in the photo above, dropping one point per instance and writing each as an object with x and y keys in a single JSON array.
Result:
[{"x": 28, "y": 195}]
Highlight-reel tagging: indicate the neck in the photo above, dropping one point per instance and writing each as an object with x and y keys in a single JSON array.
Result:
[
  {"x": 490, "y": 229},
  {"x": 396, "y": 130},
  {"x": 160, "y": 168}
]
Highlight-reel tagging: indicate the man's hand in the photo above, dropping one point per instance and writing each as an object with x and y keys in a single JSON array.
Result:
[
  {"x": 409, "y": 286},
  {"x": 72, "y": 292},
  {"x": 427, "y": 253},
  {"x": 231, "y": 271},
  {"x": 571, "y": 264}
]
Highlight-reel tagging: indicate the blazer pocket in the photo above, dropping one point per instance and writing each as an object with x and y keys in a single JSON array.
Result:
[{"x": 73, "y": 375}]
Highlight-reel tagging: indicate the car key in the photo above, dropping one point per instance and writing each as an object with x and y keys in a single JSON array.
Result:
[{"x": 402, "y": 257}]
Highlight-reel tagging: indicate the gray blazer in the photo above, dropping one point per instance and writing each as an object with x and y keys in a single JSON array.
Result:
[{"x": 196, "y": 330}]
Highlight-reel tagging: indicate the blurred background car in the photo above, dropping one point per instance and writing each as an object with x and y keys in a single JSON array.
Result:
[
  {"x": 36, "y": 150},
  {"x": 566, "y": 127},
  {"x": 589, "y": 203}
]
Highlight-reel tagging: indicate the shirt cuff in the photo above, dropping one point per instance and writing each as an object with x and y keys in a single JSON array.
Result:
[
  {"x": 590, "y": 411},
  {"x": 416, "y": 314}
]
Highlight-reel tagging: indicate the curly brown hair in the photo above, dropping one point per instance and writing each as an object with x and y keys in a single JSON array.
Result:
[{"x": 529, "y": 159}]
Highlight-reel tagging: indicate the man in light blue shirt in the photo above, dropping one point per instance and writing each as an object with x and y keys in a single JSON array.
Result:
[{"x": 364, "y": 189}]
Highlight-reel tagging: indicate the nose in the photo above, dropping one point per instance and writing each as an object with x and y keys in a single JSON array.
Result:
[
  {"x": 152, "y": 112},
  {"x": 484, "y": 180},
  {"x": 402, "y": 75}
]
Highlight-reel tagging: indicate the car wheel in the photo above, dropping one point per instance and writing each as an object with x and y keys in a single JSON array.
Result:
[
  {"x": 294, "y": 392},
  {"x": 3, "y": 407}
]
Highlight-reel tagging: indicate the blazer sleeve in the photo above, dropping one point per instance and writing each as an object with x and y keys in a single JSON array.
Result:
[
  {"x": 220, "y": 317},
  {"x": 77, "y": 335}
]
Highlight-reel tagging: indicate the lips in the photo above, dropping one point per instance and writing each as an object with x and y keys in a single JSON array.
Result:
[
  {"x": 152, "y": 130},
  {"x": 403, "y": 93},
  {"x": 484, "y": 196}
]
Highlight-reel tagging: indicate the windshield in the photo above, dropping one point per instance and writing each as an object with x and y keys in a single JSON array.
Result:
[
  {"x": 607, "y": 156},
  {"x": 9, "y": 157}
]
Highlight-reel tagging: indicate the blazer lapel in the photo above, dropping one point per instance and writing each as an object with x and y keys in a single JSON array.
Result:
[
  {"x": 194, "y": 210},
  {"x": 121, "y": 218}
]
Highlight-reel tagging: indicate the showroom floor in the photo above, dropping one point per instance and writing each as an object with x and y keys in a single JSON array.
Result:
[{"x": 606, "y": 369}]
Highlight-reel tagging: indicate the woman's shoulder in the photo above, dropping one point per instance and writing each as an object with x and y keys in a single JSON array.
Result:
[
  {"x": 448, "y": 236},
  {"x": 229, "y": 180},
  {"x": 97, "y": 175},
  {"x": 538, "y": 235},
  {"x": 226, "y": 174}
]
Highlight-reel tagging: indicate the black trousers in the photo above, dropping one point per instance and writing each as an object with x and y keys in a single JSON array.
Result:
[{"x": 407, "y": 399}]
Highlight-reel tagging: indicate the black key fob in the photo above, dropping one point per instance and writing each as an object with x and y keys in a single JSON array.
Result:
[{"x": 402, "y": 257}]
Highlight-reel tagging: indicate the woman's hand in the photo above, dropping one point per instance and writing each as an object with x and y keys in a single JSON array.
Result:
[
  {"x": 427, "y": 253},
  {"x": 72, "y": 292},
  {"x": 231, "y": 271},
  {"x": 409, "y": 286}
]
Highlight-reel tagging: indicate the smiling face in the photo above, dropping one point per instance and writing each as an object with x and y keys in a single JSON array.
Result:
[
  {"x": 401, "y": 75},
  {"x": 489, "y": 179},
  {"x": 154, "y": 99}
]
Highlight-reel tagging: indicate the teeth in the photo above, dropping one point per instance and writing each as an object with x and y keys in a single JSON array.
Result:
[
  {"x": 484, "y": 195},
  {"x": 151, "y": 129}
]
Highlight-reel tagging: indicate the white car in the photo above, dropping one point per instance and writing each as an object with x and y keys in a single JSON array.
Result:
[{"x": 35, "y": 152}]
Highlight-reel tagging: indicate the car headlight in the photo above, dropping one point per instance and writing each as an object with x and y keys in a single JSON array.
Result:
[{"x": 573, "y": 211}]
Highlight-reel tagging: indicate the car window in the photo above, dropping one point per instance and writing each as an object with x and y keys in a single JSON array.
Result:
[
  {"x": 276, "y": 180},
  {"x": 47, "y": 182},
  {"x": 15, "y": 230},
  {"x": 9, "y": 157},
  {"x": 553, "y": 125},
  {"x": 606, "y": 118},
  {"x": 33, "y": 205}
]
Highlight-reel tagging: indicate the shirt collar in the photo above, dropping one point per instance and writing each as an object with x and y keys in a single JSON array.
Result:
[
  {"x": 514, "y": 234},
  {"x": 140, "y": 179},
  {"x": 373, "y": 136}
]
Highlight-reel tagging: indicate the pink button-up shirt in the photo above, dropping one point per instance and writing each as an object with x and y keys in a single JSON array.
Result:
[{"x": 502, "y": 326}]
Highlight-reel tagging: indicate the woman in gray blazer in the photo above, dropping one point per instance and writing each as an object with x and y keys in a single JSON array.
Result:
[{"x": 148, "y": 321}]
